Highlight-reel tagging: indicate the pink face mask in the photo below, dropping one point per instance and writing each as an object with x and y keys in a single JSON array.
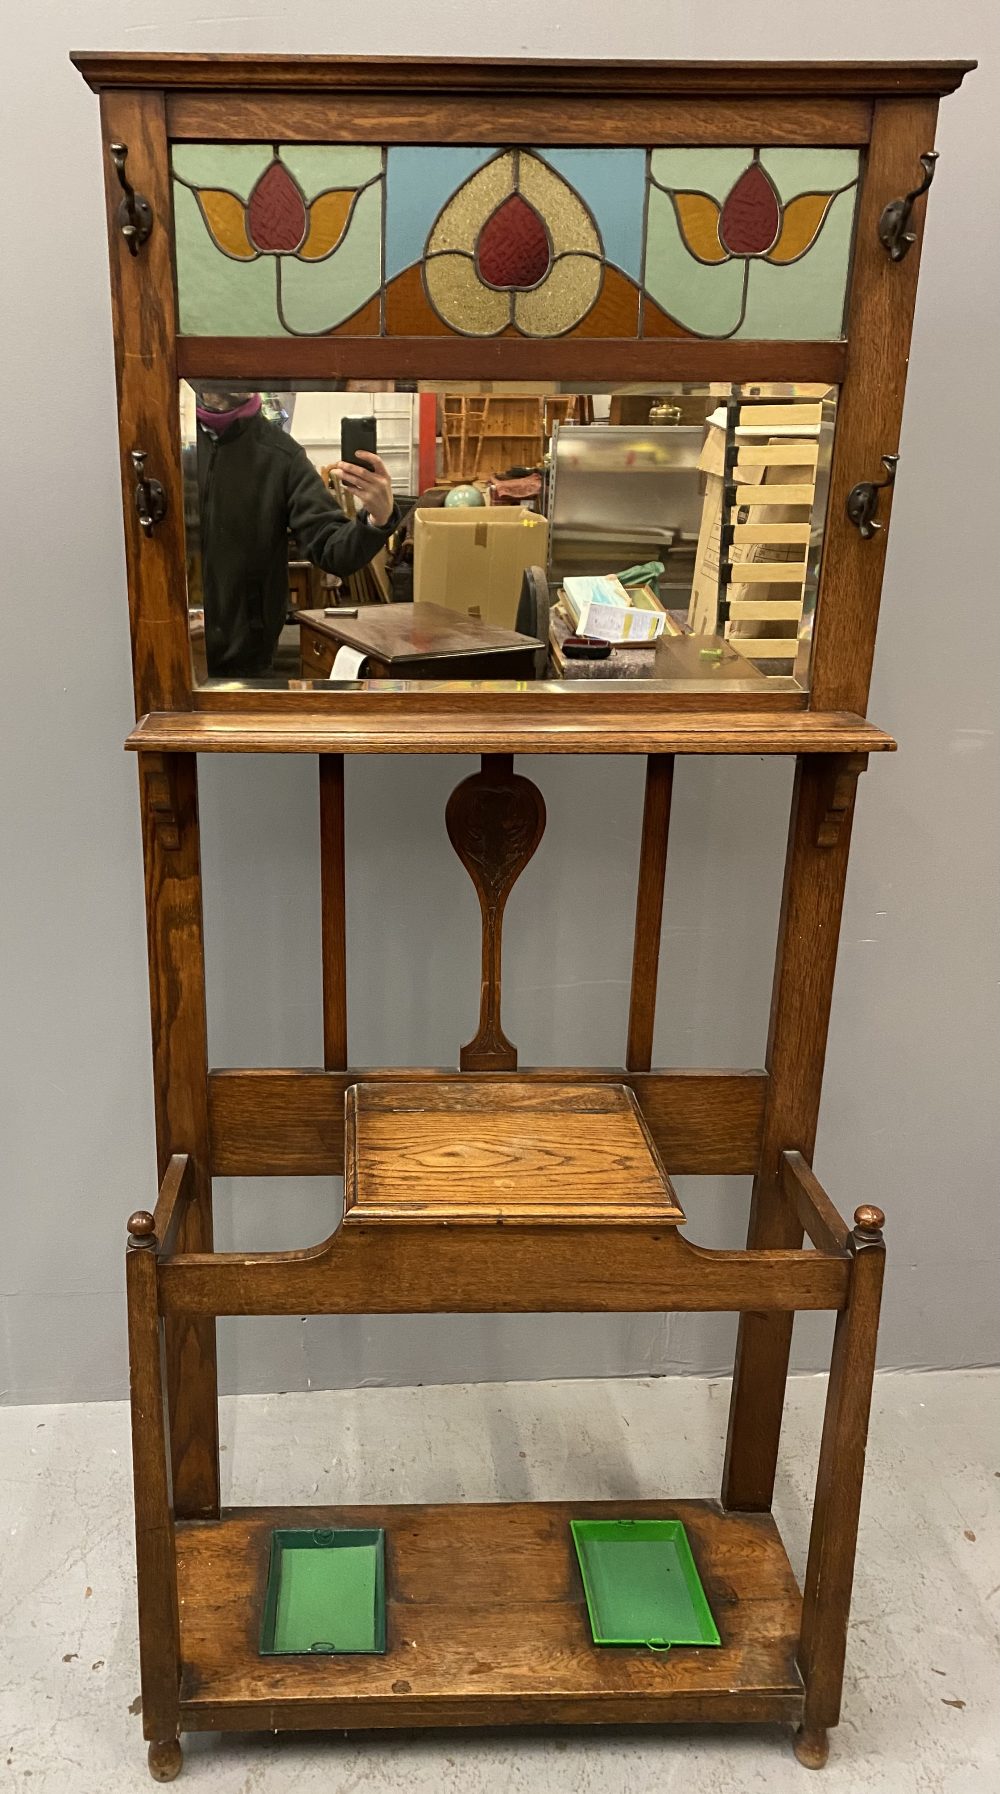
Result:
[{"x": 220, "y": 421}]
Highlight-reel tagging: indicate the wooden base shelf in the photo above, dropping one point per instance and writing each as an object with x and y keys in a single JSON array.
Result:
[{"x": 487, "y": 1625}]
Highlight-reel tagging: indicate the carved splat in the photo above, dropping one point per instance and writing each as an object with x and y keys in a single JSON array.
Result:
[
  {"x": 844, "y": 774},
  {"x": 161, "y": 796},
  {"x": 495, "y": 820}
]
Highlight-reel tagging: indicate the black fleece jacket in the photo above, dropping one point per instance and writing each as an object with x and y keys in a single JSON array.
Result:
[{"x": 255, "y": 484}]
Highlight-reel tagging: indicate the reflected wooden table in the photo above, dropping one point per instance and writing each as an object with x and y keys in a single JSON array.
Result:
[{"x": 414, "y": 641}]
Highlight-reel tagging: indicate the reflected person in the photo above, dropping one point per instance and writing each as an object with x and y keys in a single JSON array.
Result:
[{"x": 255, "y": 485}]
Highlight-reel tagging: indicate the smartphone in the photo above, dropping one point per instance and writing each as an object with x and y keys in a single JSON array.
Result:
[{"x": 357, "y": 433}]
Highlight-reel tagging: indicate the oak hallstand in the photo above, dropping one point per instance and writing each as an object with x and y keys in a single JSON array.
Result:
[{"x": 486, "y": 1620}]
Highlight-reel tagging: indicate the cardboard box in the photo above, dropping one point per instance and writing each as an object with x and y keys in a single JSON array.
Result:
[{"x": 471, "y": 559}]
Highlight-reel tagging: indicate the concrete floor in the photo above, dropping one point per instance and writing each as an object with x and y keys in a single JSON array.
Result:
[{"x": 922, "y": 1699}]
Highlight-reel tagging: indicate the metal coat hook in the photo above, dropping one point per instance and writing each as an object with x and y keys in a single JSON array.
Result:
[
  {"x": 135, "y": 214},
  {"x": 150, "y": 498},
  {"x": 862, "y": 500},
  {"x": 896, "y": 238}
]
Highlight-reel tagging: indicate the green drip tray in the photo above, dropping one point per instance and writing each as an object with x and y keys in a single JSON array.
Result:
[
  {"x": 641, "y": 1584},
  {"x": 325, "y": 1593}
]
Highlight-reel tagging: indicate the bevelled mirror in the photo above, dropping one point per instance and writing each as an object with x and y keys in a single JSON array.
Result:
[{"x": 569, "y": 532}]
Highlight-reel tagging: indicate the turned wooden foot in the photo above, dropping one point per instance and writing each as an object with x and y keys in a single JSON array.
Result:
[
  {"x": 165, "y": 1760},
  {"x": 812, "y": 1746}
]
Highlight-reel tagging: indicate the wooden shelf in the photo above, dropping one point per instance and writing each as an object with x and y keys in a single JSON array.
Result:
[
  {"x": 523, "y": 727},
  {"x": 487, "y": 1625}
]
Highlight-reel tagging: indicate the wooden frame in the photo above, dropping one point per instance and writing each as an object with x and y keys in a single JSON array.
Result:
[
  {"x": 886, "y": 109},
  {"x": 198, "y": 1669}
]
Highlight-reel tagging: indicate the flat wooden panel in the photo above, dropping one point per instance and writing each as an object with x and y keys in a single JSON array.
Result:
[
  {"x": 765, "y": 573},
  {"x": 490, "y": 75},
  {"x": 778, "y": 454},
  {"x": 523, "y": 725},
  {"x": 756, "y": 496},
  {"x": 487, "y": 1625},
  {"x": 771, "y": 532},
  {"x": 324, "y": 358},
  {"x": 869, "y": 413},
  {"x": 469, "y": 1149},
  {"x": 765, "y": 610},
  {"x": 142, "y": 297},
  {"x": 291, "y": 1123},
  {"x": 495, "y": 119}
]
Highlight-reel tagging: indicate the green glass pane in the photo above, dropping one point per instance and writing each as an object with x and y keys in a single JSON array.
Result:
[
  {"x": 319, "y": 166},
  {"x": 317, "y": 295},
  {"x": 803, "y": 297},
  {"x": 216, "y": 295},
  {"x": 810, "y": 170},
  {"x": 234, "y": 166},
  {"x": 806, "y": 298},
  {"x": 704, "y": 299},
  {"x": 701, "y": 170}
]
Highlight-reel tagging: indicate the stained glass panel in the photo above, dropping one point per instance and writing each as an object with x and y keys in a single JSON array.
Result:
[
  {"x": 751, "y": 243},
  {"x": 316, "y": 239},
  {"x": 278, "y": 240}
]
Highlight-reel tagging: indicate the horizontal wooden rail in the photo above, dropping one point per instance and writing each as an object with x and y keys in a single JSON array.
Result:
[
  {"x": 291, "y": 1123},
  {"x": 501, "y": 1270},
  {"x": 433, "y": 719},
  {"x": 175, "y": 1193},
  {"x": 821, "y": 1222}
]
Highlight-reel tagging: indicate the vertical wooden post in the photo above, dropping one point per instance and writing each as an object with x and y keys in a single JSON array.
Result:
[
  {"x": 649, "y": 910},
  {"x": 826, "y": 1601},
  {"x": 870, "y": 408},
  {"x": 169, "y": 798},
  {"x": 143, "y": 303},
  {"x": 156, "y": 1565},
  {"x": 334, "y": 910},
  {"x": 809, "y": 928},
  {"x": 879, "y": 322}
]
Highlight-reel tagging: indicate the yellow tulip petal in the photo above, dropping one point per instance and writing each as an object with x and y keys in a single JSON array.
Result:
[
  {"x": 800, "y": 226},
  {"x": 225, "y": 216},
  {"x": 328, "y": 215},
  {"x": 698, "y": 218}
]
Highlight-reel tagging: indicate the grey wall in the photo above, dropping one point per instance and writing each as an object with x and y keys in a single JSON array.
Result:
[{"x": 909, "y": 1118}]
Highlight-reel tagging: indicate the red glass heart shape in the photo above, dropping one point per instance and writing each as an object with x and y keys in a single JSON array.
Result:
[
  {"x": 750, "y": 217},
  {"x": 276, "y": 213},
  {"x": 513, "y": 248}
]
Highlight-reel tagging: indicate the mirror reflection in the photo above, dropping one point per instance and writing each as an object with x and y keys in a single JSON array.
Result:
[{"x": 494, "y": 531}]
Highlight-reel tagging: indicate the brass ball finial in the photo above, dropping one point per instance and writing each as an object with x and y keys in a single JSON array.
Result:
[
  {"x": 141, "y": 1228},
  {"x": 868, "y": 1220}
]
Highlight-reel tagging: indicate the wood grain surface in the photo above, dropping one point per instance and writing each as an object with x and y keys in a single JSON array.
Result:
[
  {"x": 168, "y": 792},
  {"x": 512, "y": 1150},
  {"x": 630, "y": 727},
  {"x": 487, "y": 1625},
  {"x": 530, "y": 1268},
  {"x": 541, "y": 76},
  {"x": 288, "y": 1123},
  {"x": 495, "y": 821}
]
